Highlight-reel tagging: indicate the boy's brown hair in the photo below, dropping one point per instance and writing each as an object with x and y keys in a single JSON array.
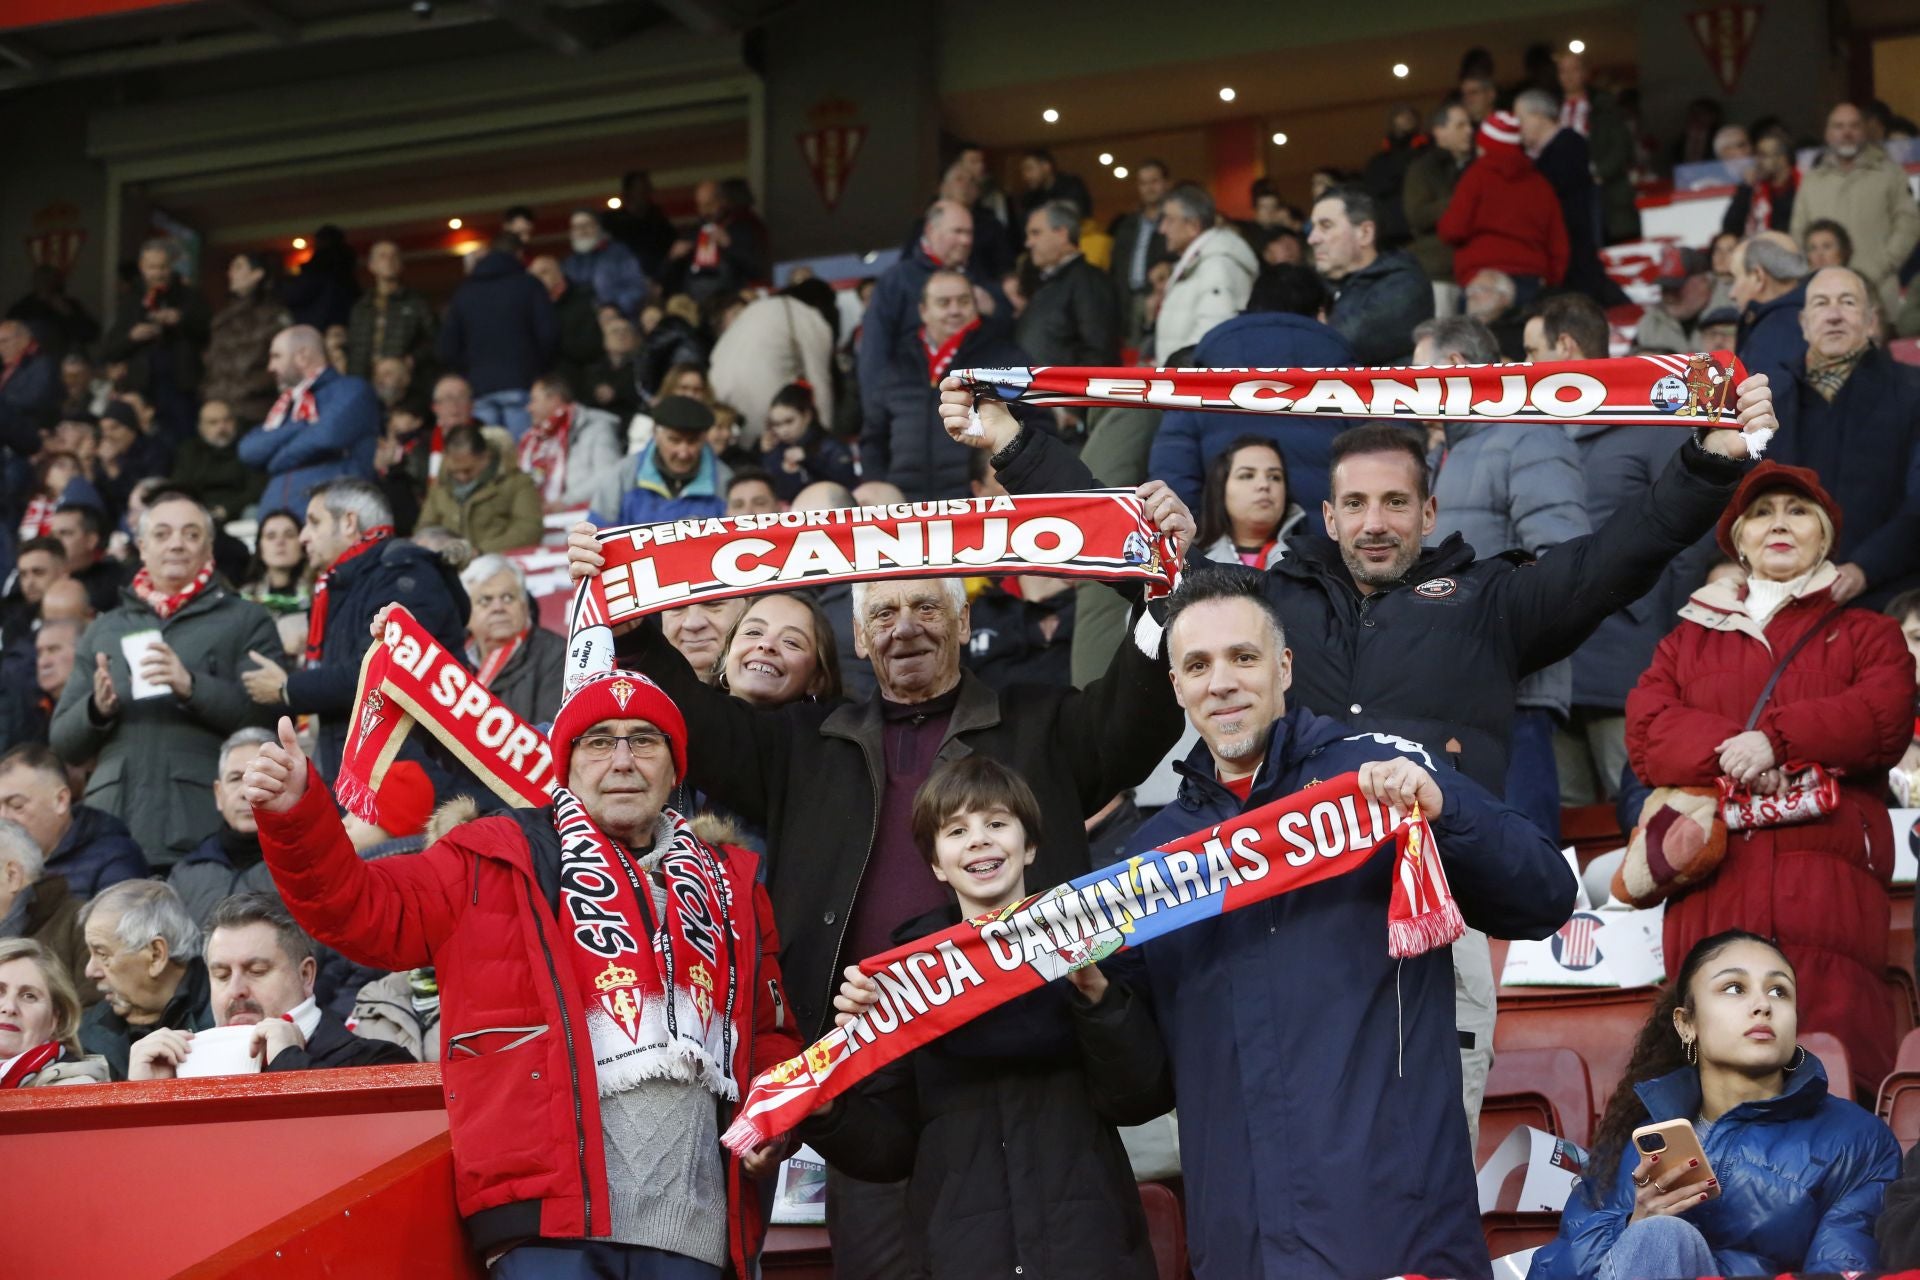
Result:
[{"x": 971, "y": 784}]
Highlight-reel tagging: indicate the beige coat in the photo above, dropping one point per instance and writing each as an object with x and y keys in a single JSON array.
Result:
[{"x": 1874, "y": 203}]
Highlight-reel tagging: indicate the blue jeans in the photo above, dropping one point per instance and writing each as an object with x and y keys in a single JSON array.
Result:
[
  {"x": 597, "y": 1260},
  {"x": 1533, "y": 777},
  {"x": 504, "y": 409},
  {"x": 1658, "y": 1249}
]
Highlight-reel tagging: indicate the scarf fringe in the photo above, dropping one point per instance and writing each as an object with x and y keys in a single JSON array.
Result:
[
  {"x": 743, "y": 1137},
  {"x": 355, "y": 796},
  {"x": 1426, "y": 932}
]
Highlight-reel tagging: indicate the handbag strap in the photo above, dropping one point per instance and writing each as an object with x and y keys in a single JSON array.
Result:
[{"x": 1780, "y": 667}]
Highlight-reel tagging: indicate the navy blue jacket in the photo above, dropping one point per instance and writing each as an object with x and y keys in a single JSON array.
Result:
[
  {"x": 1865, "y": 446},
  {"x": 501, "y": 331},
  {"x": 901, "y": 438},
  {"x": 96, "y": 851},
  {"x": 397, "y": 572},
  {"x": 1802, "y": 1177},
  {"x": 1187, "y": 441},
  {"x": 1378, "y": 306},
  {"x": 297, "y": 456},
  {"x": 30, "y": 403},
  {"x": 1317, "y": 1078},
  {"x": 893, "y": 317},
  {"x": 1771, "y": 342}
]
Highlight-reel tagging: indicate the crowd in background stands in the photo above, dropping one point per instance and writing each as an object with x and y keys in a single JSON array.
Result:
[{"x": 207, "y": 499}]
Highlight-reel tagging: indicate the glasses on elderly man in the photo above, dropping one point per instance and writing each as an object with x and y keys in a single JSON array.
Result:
[{"x": 600, "y": 746}]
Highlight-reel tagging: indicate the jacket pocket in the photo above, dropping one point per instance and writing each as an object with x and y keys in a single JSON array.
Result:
[
  {"x": 498, "y": 1096},
  {"x": 476, "y": 1044}
]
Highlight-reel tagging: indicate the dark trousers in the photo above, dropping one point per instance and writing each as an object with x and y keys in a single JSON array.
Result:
[
  {"x": 872, "y": 1233},
  {"x": 597, "y": 1260},
  {"x": 1533, "y": 778}
]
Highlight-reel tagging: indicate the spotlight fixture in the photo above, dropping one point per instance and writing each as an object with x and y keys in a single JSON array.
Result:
[
  {"x": 613, "y": 202},
  {"x": 299, "y": 242},
  {"x": 1106, "y": 157},
  {"x": 1119, "y": 171},
  {"x": 1227, "y": 94},
  {"x": 1400, "y": 70},
  {"x": 1279, "y": 139},
  {"x": 1050, "y": 116},
  {"x": 453, "y": 224},
  {"x": 1576, "y": 46}
]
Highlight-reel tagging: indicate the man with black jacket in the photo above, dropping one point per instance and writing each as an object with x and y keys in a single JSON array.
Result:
[{"x": 1072, "y": 316}]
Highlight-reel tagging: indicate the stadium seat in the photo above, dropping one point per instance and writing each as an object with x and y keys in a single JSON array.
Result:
[
  {"x": 1900, "y": 1107},
  {"x": 1900, "y": 947},
  {"x": 1166, "y": 1229},
  {"x": 1507, "y": 1232},
  {"x": 1833, "y": 1056},
  {"x": 1599, "y": 1025},
  {"x": 1908, "y": 1057},
  {"x": 1554, "y": 1077},
  {"x": 1900, "y": 994},
  {"x": 1501, "y": 1114}
]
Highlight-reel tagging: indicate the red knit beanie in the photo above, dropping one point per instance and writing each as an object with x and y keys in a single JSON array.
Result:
[
  {"x": 616, "y": 695},
  {"x": 1500, "y": 130},
  {"x": 405, "y": 800}
]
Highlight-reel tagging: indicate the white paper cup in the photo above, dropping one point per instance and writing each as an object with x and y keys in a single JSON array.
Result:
[
  {"x": 219, "y": 1051},
  {"x": 135, "y": 645}
]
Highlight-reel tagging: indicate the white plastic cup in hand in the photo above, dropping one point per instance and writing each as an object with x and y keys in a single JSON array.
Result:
[
  {"x": 219, "y": 1051},
  {"x": 136, "y": 645}
]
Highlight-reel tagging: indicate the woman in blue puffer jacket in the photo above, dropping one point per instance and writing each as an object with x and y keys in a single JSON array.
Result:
[{"x": 1801, "y": 1174}]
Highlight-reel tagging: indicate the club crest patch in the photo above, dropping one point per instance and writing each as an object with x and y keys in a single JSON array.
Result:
[
  {"x": 622, "y": 691},
  {"x": 1435, "y": 588}
]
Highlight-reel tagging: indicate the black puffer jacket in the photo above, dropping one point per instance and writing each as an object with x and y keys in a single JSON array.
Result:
[
  {"x": 1436, "y": 657},
  {"x": 1004, "y": 1129},
  {"x": 398, "y": 572}
]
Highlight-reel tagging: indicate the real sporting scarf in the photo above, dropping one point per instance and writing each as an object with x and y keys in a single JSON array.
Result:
[
  {"x": 29, "y": 1064},
  {"x": 934, "y": 984},
  {"x": 296, "y": 402},
  {"x": 1646, "y": 390},
  {"x": 317, "y": 608},
  {"x": 408, "y": 679},
  {"x": 167, "y": 605},
  {"x": 494, "y": 663},
  {"x": 661, "y": 987},
  {"x": 543, "y": 453},
  {"x": 1101, "y": 534},
  {"x": 940, "y": 356}
]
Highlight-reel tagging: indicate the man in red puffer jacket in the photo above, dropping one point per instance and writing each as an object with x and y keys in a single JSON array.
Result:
[
  {"x": 608, "y": 981},
  {"x": 1504, "y": 216}
]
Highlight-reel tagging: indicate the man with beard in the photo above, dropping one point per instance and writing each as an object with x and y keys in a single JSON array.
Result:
[
  {"x": 323, "y": 426},
  {"x": 207, "y": 465}
]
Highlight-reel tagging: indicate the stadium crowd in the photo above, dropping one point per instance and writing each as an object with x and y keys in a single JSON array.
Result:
[{"x": 211, "y": 498}]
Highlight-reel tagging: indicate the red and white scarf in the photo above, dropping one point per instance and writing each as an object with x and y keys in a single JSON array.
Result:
[
  {"x": 1760, "y": 212},
  {"x": 706, "y": 249},
  {"x": 7, "y": 371},
  {"x": 936, "y": 983},
  {"x": 296, "y": 402},
  {"x": 37, "y": 521},
  {"x": 940, "y": 356},
  {"x": 494, "y": 663},
  {"x": 661, "y": 987},
  {"x": 167, "y": 605},
  {"x": 1575, "y": 113},
  {"x": 317, "y": 608},
  {"x": 543, "y": 453},
  {"x": 30, "y": 1063}
]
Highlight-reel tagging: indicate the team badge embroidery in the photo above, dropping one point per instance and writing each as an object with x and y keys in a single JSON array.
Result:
[
  {"x": 1435, "y": 588},
  {"x": 622, "y": 691}
]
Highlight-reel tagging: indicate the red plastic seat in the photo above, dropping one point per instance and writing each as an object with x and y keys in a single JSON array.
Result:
[
  {"x": 1166, "y": 1229},
  {"x": 1901, "y": 996},
  {"x": 1556, "y": 1076},
  {"x": 1826, "y": 1046},
  {"x": 1900, "y": 1107},
  {"x": 1908, "y": 1057},
  {"x": 1600, "y": 1026},
  {"x": 1500, "y": 1115},
  {"x": 1507, "y": 1232}
]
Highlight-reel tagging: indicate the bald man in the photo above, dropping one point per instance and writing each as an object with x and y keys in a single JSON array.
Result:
[
  {"x": 728, "y": 251},
  {"x": 323, "y": 426},
  {"x": 1858, "y": 185}
]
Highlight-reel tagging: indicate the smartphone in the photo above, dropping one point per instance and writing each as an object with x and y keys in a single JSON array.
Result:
[{"x": 1675, "y": 1143}]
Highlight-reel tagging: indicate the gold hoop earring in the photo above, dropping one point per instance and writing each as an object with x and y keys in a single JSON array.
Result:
[
  {"x": 1693, "y": 1054},
  {"x": 1799, "y": 1058}
]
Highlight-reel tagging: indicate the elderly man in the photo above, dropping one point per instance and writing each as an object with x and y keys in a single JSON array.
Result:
[
  {"x": 160, "y": 335},
  {"x": 349, "y": 541},
  {"x": 53, "y": 649},
  {"x": 260, "y": 974},
  {"x": 324, "y": 424},
  {"x": 1212, "y": 275},
  {"x": 519, "y": 661},
  {"x": 603, "y": 266},
  {"x": 570, "y": 446},
  {"x": 887, "y": 332},
  {"x": 82, "y": 529},
  {"x": 155, "y": 685},
  {"x": 143, "y": 953},
  {"x": 1770, "y": 288},
  {"x": 36, "y": 905},
  {"x": 729, "y": 250},
  {"x": 228, "y": 861},
  {"x": 30, "y": 389},
  {"x": 1071, "y": 316},
  {"x": 901, "y": 440},
  {"x": 1856, "y": 423},
  {"x": 392, "y": 319},
  {"x": 1855, "y": 183},
  {"x": 677, "y": 476},
  {"x": 208, "y": 466},
  {"x": 483, "y": 497},
  {"x": 832, "y": 785},
  {"x": 599, "y": 1153},
  {"x": 1272, "y": 1072},
  {"x": 1378, "y": 297}
]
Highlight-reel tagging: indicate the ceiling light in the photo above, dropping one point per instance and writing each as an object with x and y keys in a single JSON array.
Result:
[
  {"x": 1279, "y": 139},
  {"x": 299, "y": 242},
  {"x": 1106, "y": 157},
  {"x": 1576, "y": 46},
  {"x": 1400, "y": 70},
  {"x": 613, "y": 202},
  {"x": 1119, "y": 171},
  {"x": 1226, "y": 95},
  {"x": 453, "y": 224},
  {"x": 1050, "y": 116}
]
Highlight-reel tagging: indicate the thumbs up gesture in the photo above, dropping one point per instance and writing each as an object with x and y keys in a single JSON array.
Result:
[{"x": 277, "y": 778}]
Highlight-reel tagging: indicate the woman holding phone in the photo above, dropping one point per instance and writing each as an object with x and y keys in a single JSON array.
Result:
[{"x": 1794, "y": 1177}]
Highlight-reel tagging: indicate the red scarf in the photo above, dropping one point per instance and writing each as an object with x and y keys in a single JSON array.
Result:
[
  {"x": 706, "y": 250},
  {"x": 296, "y": 401},
  {"x": 151, "y": 302},
  {"x": 1760, "y": 212},
  {"x": 661, "y": 987},
  {"x": 7, "y": 372},
  {"x": 543, "y": 453},
  {"x": 168, "y": 605},
  {"x": 934, "y": 984},
  {"x": 496, "y": 662},
  {"x": 38, "y": 520},
  {"x": 1574, "y": 113},
  {"x": 30, "y": 1063},
  {"x": 317, "y": 609},
  {"x": 940, "y": 358}
]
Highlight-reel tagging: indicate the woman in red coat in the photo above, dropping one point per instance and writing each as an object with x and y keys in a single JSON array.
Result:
[{"x": 1845, "y": 702}]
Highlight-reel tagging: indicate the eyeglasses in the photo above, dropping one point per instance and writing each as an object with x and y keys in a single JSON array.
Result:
[{"x": 599, "y": 746}]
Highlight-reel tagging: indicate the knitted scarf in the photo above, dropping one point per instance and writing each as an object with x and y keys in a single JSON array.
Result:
[
  {"x": 940, "y": 355},
  {"x": 317, "y": 608},
  {"x": 543, "y": 453},
  {"x": 934, "y": 984},
  {"x": 167, "y": 605},
  {"x": 296, "y": 402},
  {"x": 661, "y": 987},
  {"x": 1827, "y": 379}
]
